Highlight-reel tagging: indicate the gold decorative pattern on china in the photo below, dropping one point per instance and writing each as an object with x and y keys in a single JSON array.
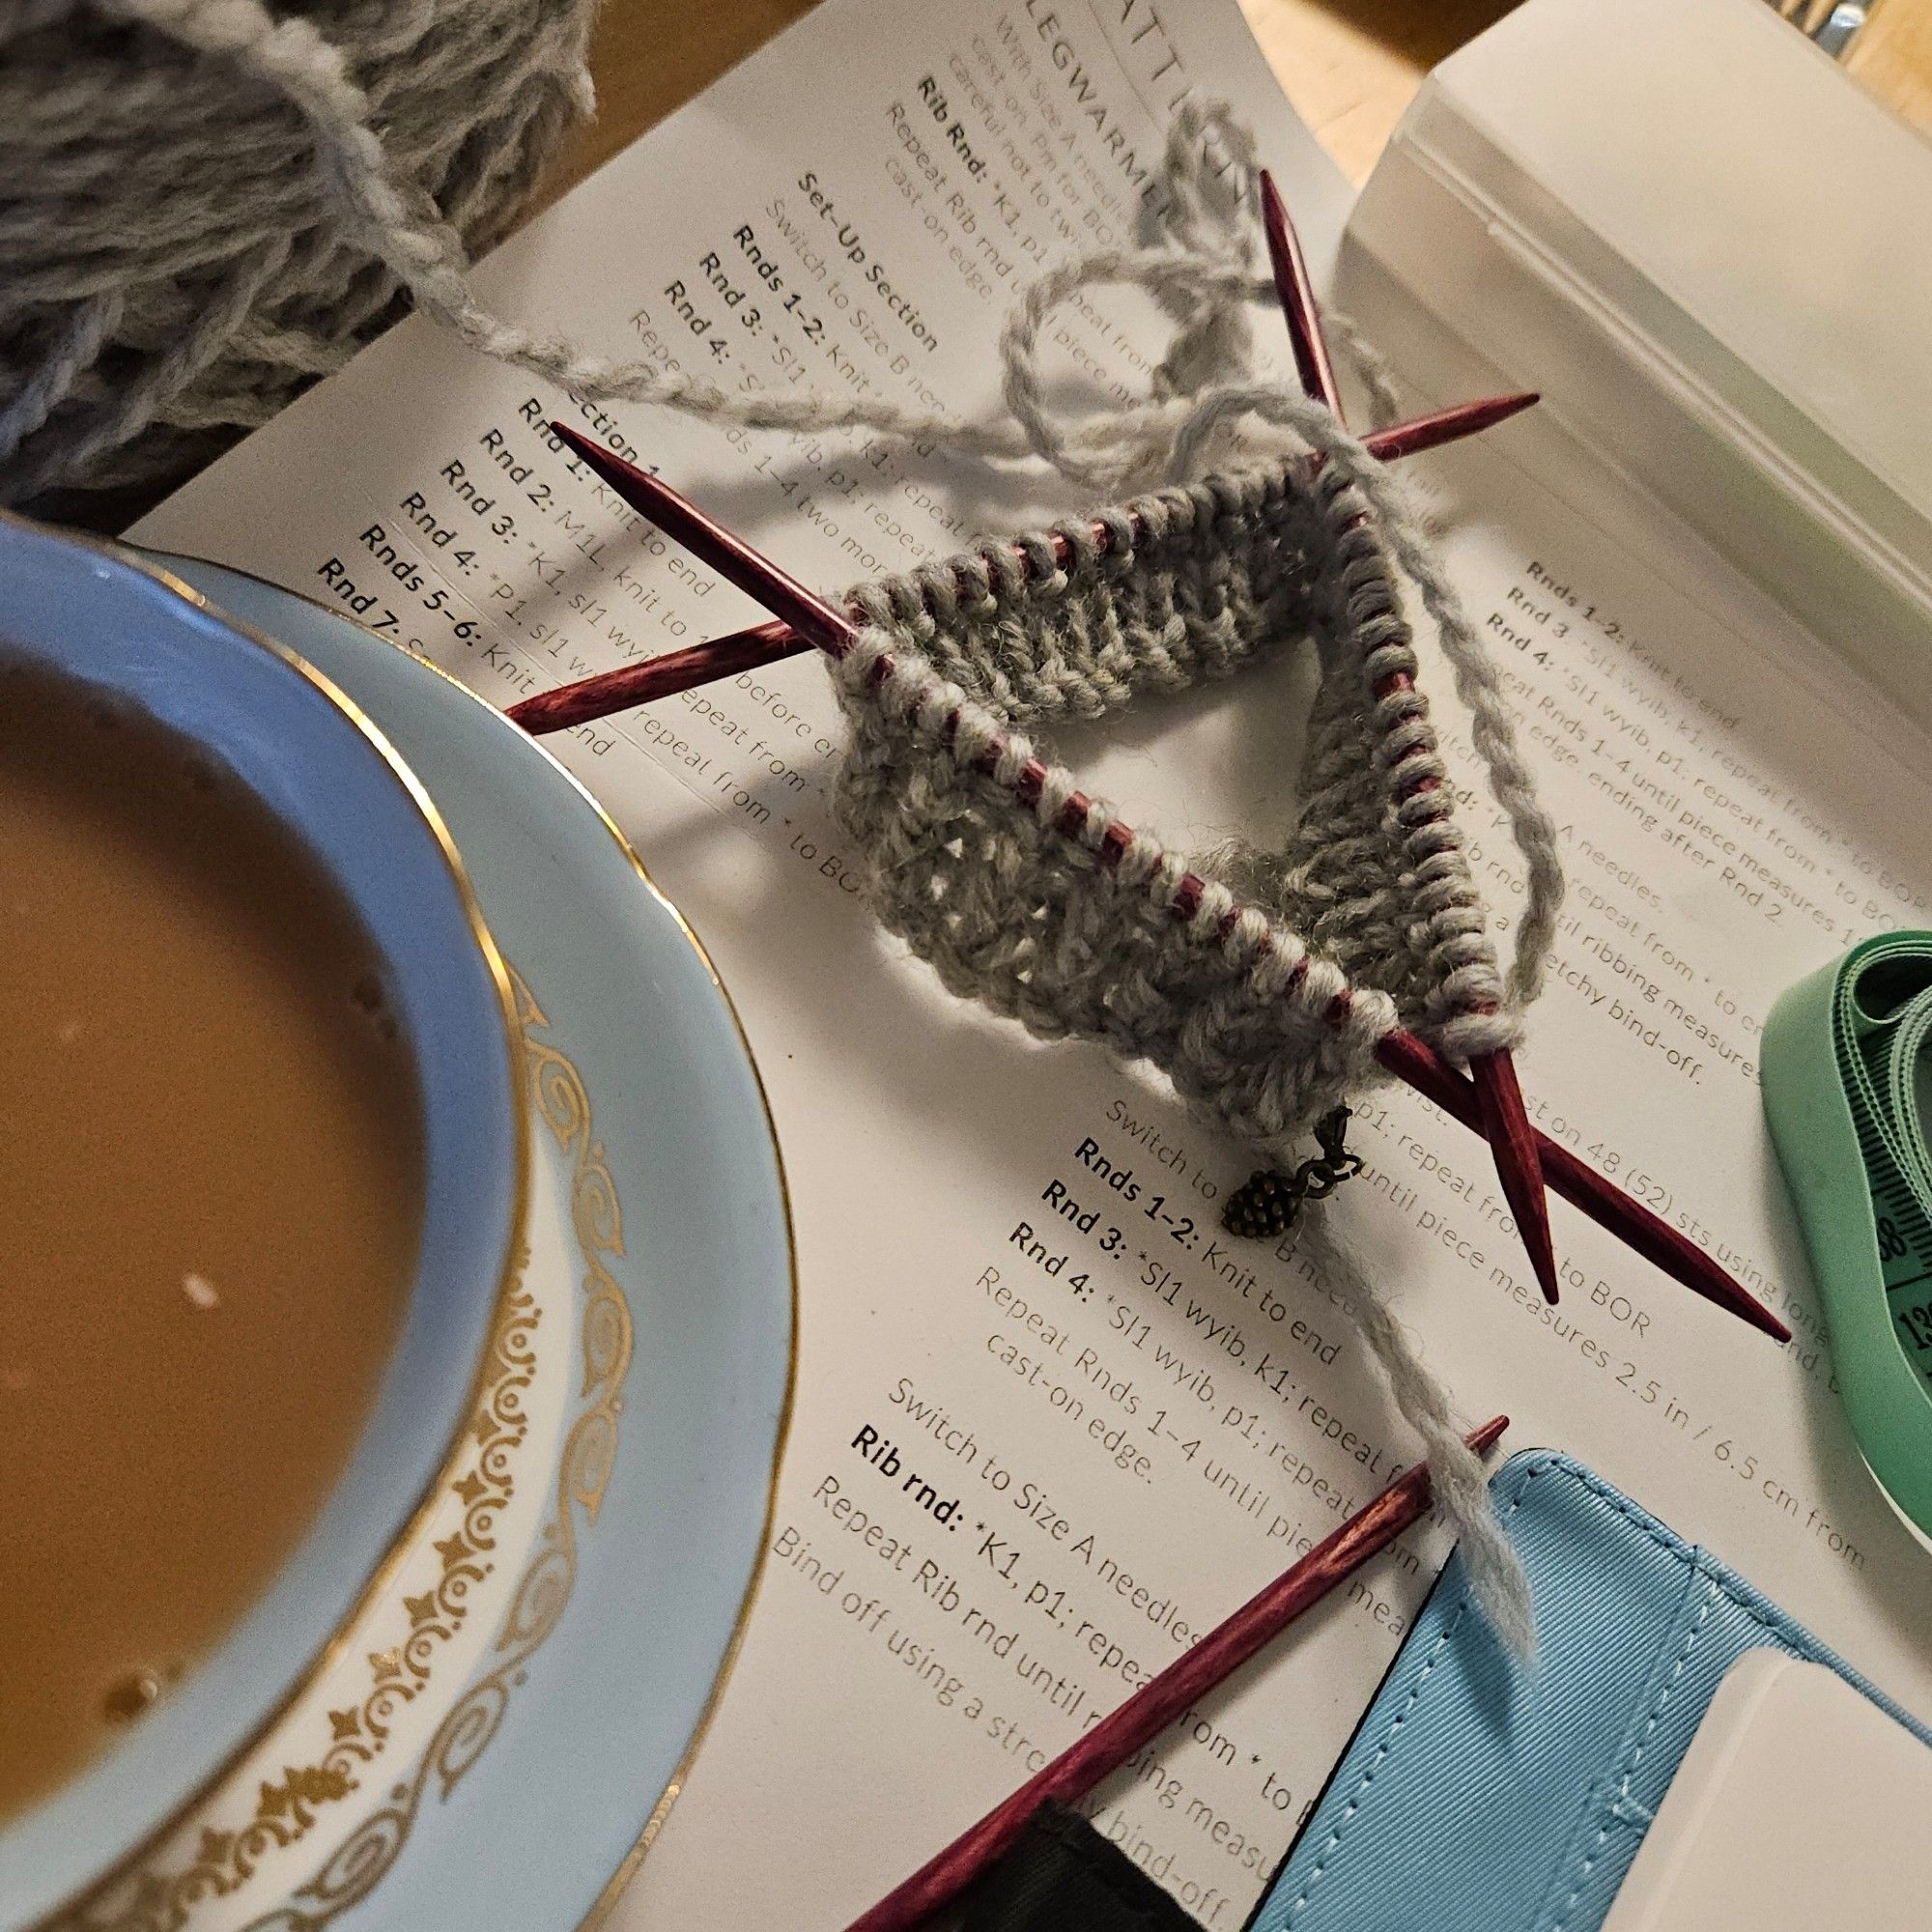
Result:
[
  {"x": 460, "y": 693},
  {"x": 133, "y": 1877},
  {"x": 361, "y": 1863},
  {"x": 287, "y": 1808}
]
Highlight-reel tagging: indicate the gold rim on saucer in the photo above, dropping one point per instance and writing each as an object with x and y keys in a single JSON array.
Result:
[
  {"x": 659, "y": 1811},
  {"x": 383, "y": 1572},
  {"x": 151, "y": 1899}
]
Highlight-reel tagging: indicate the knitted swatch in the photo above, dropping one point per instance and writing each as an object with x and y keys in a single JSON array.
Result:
[
  {"x": 1015, "y": 905},
  {"x": 986, "y": 858}
]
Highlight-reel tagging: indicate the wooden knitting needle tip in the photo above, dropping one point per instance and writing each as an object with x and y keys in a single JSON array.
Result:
[
  {"x": 1296, "y": 287},
  {"x": 1317, "y": 371},
  {"x": 1163, "y": 1698},
  {"x": 1408, "y": 1056},
  {"x": 1504, "y": 1118},
  {"x": 724, "y": 550},
  {"x": 1450, "y": 425},
  {"x": 1505, "y": 1124},
  {"x": 1413, "y": 1060},
  {"x": 1507, "y": 1128}
]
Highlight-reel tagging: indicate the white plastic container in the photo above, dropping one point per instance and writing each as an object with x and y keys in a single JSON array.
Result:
[{"x": 1713, "y": 254}]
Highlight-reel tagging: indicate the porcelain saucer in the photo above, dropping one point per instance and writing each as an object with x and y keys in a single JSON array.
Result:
[{"x": 603, "y": 1545}]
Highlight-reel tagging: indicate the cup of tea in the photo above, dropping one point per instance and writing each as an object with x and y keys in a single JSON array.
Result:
[{"x": 264, "y": 1162}]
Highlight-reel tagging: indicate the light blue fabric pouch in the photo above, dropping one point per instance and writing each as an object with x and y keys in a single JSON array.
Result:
[{"x": 1479, "y": 1795}]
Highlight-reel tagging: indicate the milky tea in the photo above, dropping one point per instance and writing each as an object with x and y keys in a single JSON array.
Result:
[{"x": 210, "y": 1206}]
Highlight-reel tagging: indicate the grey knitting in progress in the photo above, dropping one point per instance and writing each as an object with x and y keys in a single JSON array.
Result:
[
  {"x": 1029, "y": 894},
  {"x": 1266, "y": 1014},
  {"x": 1370, "y": 909}
]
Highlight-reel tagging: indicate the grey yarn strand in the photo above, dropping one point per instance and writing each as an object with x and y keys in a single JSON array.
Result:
[
  {"x": 1497, "y": 1577},
  {"x": 175, "y": 236}
]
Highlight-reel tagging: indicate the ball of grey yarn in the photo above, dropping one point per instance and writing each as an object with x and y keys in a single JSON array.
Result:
[{"x": 179, "y": 256}]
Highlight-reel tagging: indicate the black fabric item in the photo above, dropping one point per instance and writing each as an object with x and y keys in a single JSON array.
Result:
[{"x": 1061, "y": 1876}]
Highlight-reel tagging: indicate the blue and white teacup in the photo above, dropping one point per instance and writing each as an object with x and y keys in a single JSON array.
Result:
[{"x": 78, "y": 608}]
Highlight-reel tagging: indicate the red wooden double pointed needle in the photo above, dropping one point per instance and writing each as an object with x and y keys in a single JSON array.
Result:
[
  {"x": 1404, "y": 1055},
  {"x": 568, "y": 706},
  {"x": 1505, "y": 1120},
  {"x": 1159, "y": 1701}
]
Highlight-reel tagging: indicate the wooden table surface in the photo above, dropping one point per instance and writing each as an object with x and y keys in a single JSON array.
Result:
[{"x": 1348, "y": 66}]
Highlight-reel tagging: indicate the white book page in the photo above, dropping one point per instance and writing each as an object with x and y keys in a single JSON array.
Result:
[{"x": 1143, "y": 1429}]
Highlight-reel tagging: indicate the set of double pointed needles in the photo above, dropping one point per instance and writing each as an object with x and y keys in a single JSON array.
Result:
[{"x": 1488, "y": 1099}]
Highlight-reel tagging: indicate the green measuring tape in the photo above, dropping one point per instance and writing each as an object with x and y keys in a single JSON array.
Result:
[{"x": 1847, "y": 1073}]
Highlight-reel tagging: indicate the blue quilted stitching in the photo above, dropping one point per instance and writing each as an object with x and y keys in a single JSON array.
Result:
[
  {"x": 1389, "y": 1736},
  {"x": 1665, "y": 1691},
  {"x": 1658, "y": 1533},
  {"x": 1375, "y": 1764}
]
